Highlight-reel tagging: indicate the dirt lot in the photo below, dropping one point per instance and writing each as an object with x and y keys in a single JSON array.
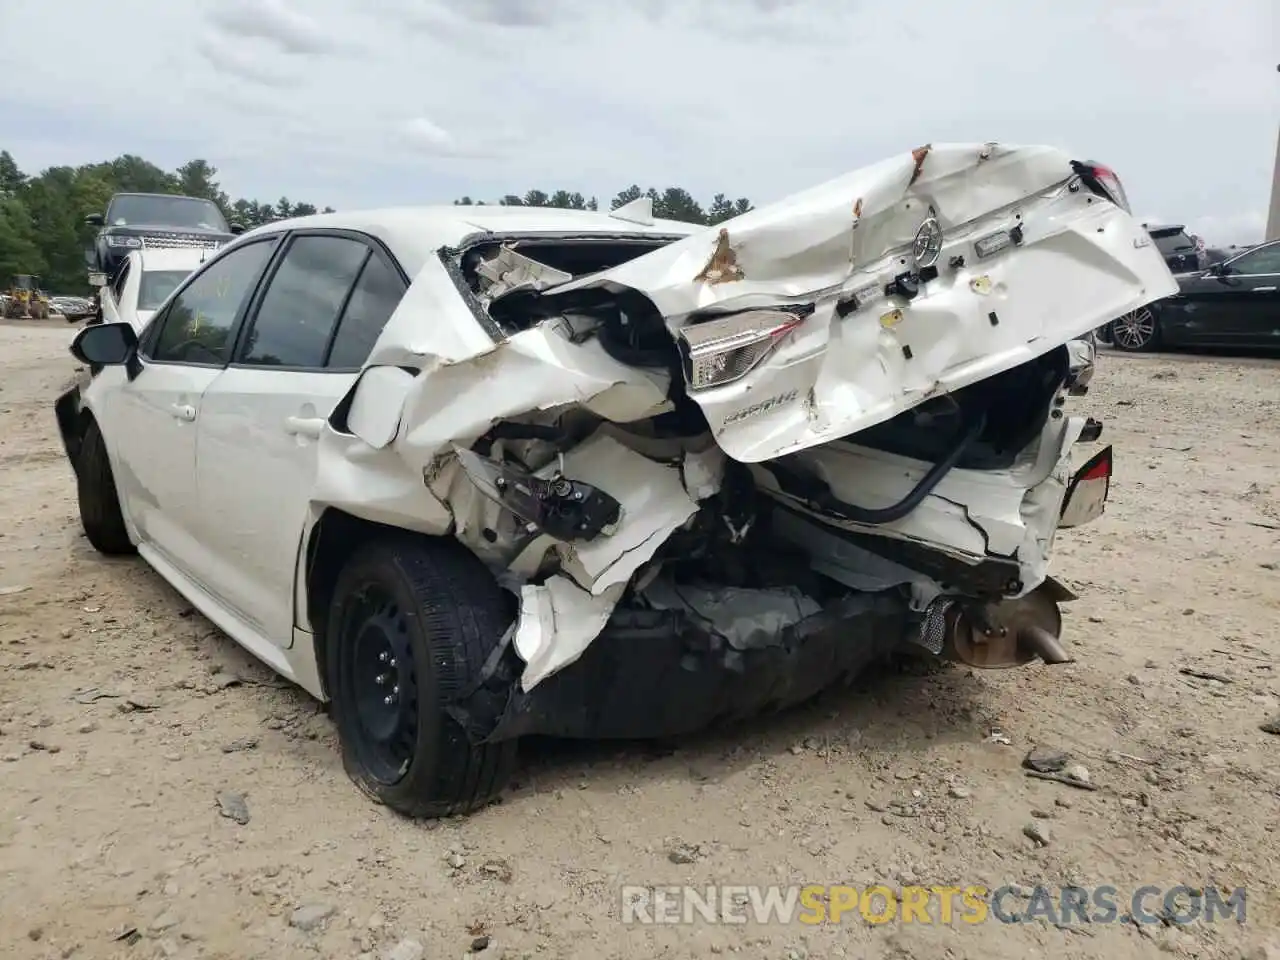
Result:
[{"x": 124, "y": 716}]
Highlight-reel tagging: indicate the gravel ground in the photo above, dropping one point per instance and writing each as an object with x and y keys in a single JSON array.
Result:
[{"x": 135, "y": 738}]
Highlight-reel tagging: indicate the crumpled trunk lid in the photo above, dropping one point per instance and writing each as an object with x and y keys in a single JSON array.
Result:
[{"x": 896, "y": 298}]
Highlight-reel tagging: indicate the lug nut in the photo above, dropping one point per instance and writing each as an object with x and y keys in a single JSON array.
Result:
[
  {"x": 388, "y": 700},
  {"x": 392, "y": 662},
  {"x": 380, "y": 679},
  {"x": 383, "y": 656}
]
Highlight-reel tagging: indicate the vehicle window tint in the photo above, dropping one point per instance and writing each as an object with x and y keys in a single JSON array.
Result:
[
  {"x": 301, "y": 305},
  {"x": 1266, "y": 260},
  {"x": 376, "y": 295},
  {"x": 198, "y": 325}
]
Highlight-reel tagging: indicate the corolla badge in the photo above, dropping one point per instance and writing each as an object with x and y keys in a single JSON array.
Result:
[{"x": 927, "y": 246}]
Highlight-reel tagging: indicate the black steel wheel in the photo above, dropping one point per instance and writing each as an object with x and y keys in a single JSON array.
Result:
[
  {"x": 378, "y": 677},
  {"x": 411, "y": 624}
]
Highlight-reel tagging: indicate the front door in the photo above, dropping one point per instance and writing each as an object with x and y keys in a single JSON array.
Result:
[
  {"x": 153, "y": 419},
  {"x": 1237, "y": 305},
  {"x": 306, "y": 338}
]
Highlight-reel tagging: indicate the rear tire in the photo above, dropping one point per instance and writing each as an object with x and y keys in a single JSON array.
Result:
[
  {"x": 100, "y": 513},
  {"x": 1136, "y": 332},
  {"x": 411, "y": 624}
]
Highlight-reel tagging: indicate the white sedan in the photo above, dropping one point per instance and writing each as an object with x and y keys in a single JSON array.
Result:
[
  {"x": 144, "y": 281},
  {"x": 476, "y": 473}
]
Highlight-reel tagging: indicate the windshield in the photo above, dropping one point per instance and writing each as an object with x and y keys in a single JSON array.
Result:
[
  {"x": 128, "y": 209},
  {"x": 156, "y": 285}
]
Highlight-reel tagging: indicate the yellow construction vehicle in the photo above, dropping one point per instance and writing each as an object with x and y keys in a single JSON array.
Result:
[{"x": 26, "y": 301}]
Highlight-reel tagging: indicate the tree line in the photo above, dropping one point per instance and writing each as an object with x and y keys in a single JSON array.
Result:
[
  {"x": 673, "y": 203},
  {"x": 42, "y": 228}
]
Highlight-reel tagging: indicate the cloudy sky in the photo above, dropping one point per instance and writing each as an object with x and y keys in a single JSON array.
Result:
[{"x": 373, "y": 102}]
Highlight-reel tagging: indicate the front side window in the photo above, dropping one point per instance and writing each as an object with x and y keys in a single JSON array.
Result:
[
  {"x": 1255, "y": 262},
  {"x": 156, "y": 285},
  {"x": 200, "y": 321},
  {"x": 301, "y": 306}
]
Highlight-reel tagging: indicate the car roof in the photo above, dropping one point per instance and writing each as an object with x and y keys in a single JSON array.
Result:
[{"x": 414, "y": 234}]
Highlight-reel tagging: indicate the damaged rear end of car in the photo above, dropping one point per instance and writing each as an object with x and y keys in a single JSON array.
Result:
[{"x": 719, "y": 470}]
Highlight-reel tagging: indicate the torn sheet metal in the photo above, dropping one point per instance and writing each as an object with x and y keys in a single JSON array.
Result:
[
  {"x": 558, "y": 621},
  {"x": 535, "y": 370},
  {"x": 508, "y": 271},
  {"x": 654, "y": 505},
  {"x": 1068, "y": 266},
  {"x": 563, "y": 615}
]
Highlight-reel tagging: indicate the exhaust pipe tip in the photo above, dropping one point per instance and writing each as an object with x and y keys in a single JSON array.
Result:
[
  {"x": 1011, "y": 633},
  {"x": 1043, "y": 644}
]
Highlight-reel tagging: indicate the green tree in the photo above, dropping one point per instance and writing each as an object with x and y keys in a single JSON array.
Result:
[
  {"x": 19, "y": 251},
  {"x": 11, "y": 178}
]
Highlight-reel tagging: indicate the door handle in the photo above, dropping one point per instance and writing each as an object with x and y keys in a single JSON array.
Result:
[
  {"x": 183, "y": 411},
  {"x": 304, "y": 426},
  {"x": 1264, "y": 289}
]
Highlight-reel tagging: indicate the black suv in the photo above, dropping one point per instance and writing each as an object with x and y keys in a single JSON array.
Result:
[
  {"x": 1182, "y": 252},
  {"x": 137, "y": 220}
]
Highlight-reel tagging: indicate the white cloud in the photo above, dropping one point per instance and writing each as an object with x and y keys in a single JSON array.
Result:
[
  {"x": 370, "y": 102},
  {"x": 274, "y": 21},
  {"x": 421, "y": 132}
]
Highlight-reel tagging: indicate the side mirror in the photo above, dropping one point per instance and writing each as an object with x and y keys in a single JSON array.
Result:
[
  {"x": 237, "y": 227},
  {"x": 1219, "y": 270},
  {"x": 95, "y": 220},
  {"x": 105, "y": 344}
]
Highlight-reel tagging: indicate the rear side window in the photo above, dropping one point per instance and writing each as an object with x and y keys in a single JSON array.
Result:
[
  {"x": 377, "y": 293},
  {"x": 302, "y": 303}
]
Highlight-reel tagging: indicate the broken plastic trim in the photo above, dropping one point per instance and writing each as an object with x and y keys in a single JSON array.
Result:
[
  {"x": 450, "y": 260},
  {"x": 815, "y": 492}
]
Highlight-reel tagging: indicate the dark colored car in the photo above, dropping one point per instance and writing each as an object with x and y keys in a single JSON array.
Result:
[
  {"x": 1182, "y": 252},
  {"x": 1235, "y": 303},
  {"x": 135, "y": 220}
]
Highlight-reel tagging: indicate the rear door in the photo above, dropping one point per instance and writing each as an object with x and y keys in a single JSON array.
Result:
[{"x": 310, "y": 330}]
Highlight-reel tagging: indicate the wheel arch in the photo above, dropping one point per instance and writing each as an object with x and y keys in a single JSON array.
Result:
[{"x": 332, "y": 540}]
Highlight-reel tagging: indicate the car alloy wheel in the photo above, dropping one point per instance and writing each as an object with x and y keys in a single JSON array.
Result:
[
  {"x": 381, "y": 684},
  {"x": 1134, "y": 330}
]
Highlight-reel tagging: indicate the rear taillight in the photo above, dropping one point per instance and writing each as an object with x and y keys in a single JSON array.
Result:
[
  {"x": 720, "y": 351},
  {"x": 1102, "y": 181}
]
